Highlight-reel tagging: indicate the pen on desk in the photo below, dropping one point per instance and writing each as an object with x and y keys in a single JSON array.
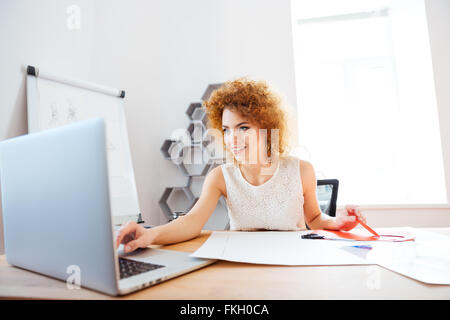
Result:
[
  {"x": 364, "y": 225},
  {"x": 363, "y": 247},
  {"x": 368, "y": 228}
]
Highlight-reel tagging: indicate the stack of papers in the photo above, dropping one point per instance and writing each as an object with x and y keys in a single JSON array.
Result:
[{"x": 426, "y": 259}]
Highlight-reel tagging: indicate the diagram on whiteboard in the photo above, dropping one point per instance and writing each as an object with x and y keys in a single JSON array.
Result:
[
  {"x": 71, "y": 112},
  {"x": 66, "y": 111}
]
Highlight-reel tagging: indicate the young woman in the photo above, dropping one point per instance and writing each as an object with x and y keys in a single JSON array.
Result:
[{"x": 264, "y": 187}]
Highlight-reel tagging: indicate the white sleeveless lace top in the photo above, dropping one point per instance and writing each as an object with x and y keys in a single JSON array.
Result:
[{"x": 277, "y": 204}]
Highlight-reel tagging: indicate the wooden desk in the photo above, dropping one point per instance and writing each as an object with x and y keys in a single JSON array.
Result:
[{"x": 231, "y": 280}]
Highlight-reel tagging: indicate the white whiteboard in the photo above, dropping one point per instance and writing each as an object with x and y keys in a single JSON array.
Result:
[{"x": 53, "y": 103}]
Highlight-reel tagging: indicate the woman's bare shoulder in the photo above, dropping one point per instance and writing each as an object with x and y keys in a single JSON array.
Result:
[
  {"x": 307, "y": 174},
  {"x": 305, "y": 166}
]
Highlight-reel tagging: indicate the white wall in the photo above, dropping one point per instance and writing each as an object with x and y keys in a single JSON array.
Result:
[{"x": 162, "y": 52}]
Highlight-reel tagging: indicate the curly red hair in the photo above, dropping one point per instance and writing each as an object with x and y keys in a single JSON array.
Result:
[{"x": 256, "y": 102}]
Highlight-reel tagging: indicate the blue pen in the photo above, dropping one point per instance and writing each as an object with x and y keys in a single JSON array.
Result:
[{"x": 363, "y": 247}]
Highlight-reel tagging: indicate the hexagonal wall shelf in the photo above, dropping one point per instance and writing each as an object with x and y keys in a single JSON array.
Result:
[
  {"x": 197, "y": 131},
  {"x": 196, "y": 112},
  {"x": 195, "y": 157},
  {"x": 176, "y": 201},
  {"x": 199, "y": 115},
  {"x": 171, "y": 149},
  {"x": 210, "y": 89},
  {"x": 194, "y": 161}
]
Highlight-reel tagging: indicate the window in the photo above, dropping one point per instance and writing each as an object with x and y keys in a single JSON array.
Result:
[{"x": 366, "y": 106}]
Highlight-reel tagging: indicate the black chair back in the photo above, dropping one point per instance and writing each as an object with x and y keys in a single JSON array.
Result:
[{"x": 327, "y": 191}]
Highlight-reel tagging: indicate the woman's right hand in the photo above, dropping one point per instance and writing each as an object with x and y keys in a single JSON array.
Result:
[{"x": 133, "y": 236}]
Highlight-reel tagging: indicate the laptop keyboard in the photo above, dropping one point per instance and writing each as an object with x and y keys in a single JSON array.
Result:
[{"x": 129, "y": 268}]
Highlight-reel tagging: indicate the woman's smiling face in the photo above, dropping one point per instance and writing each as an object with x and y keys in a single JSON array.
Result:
[{"x": 241, "y": 137}]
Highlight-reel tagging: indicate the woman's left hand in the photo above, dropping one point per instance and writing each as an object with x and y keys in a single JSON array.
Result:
[{"x": 346, "y": 220}]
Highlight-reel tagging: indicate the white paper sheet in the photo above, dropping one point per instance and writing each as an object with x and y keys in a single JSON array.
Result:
[
  {"x": 276, "y": 248},
  {"x": 426, "y": 259}
]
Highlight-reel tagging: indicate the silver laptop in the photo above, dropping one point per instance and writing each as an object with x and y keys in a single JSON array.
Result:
[{"x": 57, "y": 218}]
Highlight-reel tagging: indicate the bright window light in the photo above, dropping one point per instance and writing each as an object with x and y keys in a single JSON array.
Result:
[{"x": 367, "y": 113}]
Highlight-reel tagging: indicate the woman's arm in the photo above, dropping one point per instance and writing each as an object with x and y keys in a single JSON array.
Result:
[
  {"x": 181, "y": 229},
  {"x": 313, "y": 216}
]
